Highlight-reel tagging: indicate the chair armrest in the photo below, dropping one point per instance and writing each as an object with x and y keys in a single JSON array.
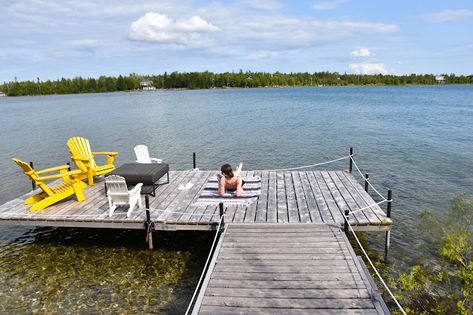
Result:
[
  {"x": 105, "y": 153},
  {"x": 53, "y": 169},
  {"x": 61, "y": 175},
  {"x": 80, "y": 159},
  {"x": 156, "y": 160},
  {"x": 136, "y": 188}
]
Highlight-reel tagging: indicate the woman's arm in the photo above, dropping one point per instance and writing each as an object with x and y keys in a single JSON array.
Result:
[{"x": 221, "y": 186}]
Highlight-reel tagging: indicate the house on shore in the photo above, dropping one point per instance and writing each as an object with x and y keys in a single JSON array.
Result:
[
  {"x": 2, "y": 94},
  {"x": 147, "y": 86},
  {"x": 440, "y": 79}
]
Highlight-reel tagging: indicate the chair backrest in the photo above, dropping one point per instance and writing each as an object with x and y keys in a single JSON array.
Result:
[
  {"x": 142, "y": 154},
  {"x": 30, "y": 172},
  {"x": 117, "y": 188},
  {"x": 80, "y": 148}
]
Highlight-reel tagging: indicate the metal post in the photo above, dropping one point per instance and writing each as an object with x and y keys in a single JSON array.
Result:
[
  {"x": 69, "y": 168},
  {"x": 194, "y": 161},
  {"x": 220, "y": 206},
  {"x": 366, "y": 181},
  {"x": 351, "y": 162},
  {"x": 345, "y": 225},
  {"x": 387, "y": 241},
  {"x": 148, "y": 224},
  {"x": 33, "y": 185}
]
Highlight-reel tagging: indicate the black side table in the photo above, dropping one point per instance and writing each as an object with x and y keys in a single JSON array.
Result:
[{"x": 148, "y": 174}]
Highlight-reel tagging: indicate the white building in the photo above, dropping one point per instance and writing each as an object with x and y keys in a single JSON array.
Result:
[
  {"x": 440, "y": 79},
  {"x": 147, "y": 86}
]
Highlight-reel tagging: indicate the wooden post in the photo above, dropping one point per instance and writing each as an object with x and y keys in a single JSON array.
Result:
[
  {"x": 351, "y": 162},
  {"x": 148, "y": 224},
  {"x": 345, "y": 225},
  {"x": 33, "y": 185},
  {"x": 366, "y": 181},
  {"x": 194, "y": 161},
  {"x": 220, "y": 206},
  {"x": 388, "y": 233}
]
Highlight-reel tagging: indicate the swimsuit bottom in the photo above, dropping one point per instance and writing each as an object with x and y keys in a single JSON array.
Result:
[{"x": 234, "y": 189}]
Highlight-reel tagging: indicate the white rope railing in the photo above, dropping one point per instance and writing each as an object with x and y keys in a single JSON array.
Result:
[
  {"x": 205, "y": 266},
  {"x": 308, "y": 166},
  {"x": 367, "y": 207},
  {"x": 374, "y": 268},
  {"x": 366, "y": 179}
]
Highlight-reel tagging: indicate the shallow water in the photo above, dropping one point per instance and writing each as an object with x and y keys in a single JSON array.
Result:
[{"x": 416, "y": 140}]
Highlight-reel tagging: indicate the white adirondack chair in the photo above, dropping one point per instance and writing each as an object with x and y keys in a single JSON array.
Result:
[
  {"x": 142, "y": 155},
  {"x": 119, "y": 195}
]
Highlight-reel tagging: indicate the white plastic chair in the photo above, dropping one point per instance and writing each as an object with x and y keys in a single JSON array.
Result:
[
  {"x": 142, "y": 155},
  {"x": 119, "y": 195}
]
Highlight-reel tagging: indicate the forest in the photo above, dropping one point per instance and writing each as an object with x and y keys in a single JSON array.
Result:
[{"x": 207, "y": 80}]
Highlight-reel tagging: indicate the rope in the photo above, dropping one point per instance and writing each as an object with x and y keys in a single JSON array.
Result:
[
  {"x": 205, "y": 267},
  {"x": 364, "y": 208},
  {"x": 307, "y": 166},
  {"x": 375, "y": 270},
  {"x": 361, "y": 174}
]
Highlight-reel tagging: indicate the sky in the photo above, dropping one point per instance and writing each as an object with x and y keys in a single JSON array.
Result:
[{"x": 89, "y": 38}]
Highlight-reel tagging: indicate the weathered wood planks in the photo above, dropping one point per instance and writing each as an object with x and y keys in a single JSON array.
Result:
[
  {"x": 290, "y": 277},
  {"x": 286, "y": 197}
]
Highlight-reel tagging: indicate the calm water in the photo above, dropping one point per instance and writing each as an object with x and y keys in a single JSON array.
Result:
[{"x": 418, "y": 141}]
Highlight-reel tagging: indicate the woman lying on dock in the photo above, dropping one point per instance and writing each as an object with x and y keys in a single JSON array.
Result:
[{"x": 230, "y": 181}]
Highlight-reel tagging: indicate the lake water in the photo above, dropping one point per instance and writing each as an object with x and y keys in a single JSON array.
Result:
[{"x": 415, "y": 140}]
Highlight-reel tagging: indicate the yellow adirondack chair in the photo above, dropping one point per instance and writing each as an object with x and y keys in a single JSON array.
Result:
[
  {"x": 83, "y": 157},
  {"x": 71, "y": 184}
]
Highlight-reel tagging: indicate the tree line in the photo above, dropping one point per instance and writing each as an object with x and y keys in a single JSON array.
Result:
[{"x": 206, "y": 80}]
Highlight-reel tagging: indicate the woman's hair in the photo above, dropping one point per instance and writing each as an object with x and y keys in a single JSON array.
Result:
[{"x": 227, "y": 170}]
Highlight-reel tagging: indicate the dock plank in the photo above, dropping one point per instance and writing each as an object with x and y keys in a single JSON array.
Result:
[
  {"x": 291, "y": 198},
  {"x": 301, "y": 202},
  {"x": 272, "y": 209},
  {"x": 262, "y": 202},
  {"x": 283, "y": 215}
]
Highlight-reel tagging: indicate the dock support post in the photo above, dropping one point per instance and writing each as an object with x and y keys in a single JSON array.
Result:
[
  {"x": 69, "y": 168},
  {"x": 148, "y": 224},
  {"x": 351, "y": 162},
  {"x": 388, "y": 233},
  {"x": 220, "y": 207},
  {"x": 194, "y": 163},
  {"x": 366, "y": 181},
  {"x": 33, "y": 185},
  {"x": 345, "y": 225}
]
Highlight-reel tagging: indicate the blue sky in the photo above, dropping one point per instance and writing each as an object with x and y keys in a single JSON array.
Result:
[{"x": 89, "y": 38}]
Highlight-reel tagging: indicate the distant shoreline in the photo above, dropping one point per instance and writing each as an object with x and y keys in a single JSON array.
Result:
[
  {"x": 208, "y": 80},
  {"x": 233, "y": 88}
]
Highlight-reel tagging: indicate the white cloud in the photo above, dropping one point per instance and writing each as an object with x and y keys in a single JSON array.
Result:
[
  {"x": 83, "y": 43},
  {"x": 327, "y": 5},
  {"x": 368, "y": 68},
  {"x": 449, "y": 15},
  {"x": 156, "y": 27},
  {"x": 269, "y": 33},
  {"x": 362, "y": 52},
  {"x": 194, "y": 24},
  {"x": 263, "y": 54},
  {"x": 264, "y": 4}
]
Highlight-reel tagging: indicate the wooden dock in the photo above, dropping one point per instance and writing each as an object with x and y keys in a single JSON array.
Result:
[
  {"x": 286, "y": 197},
  {"x": 282, "y": 254},
  {"x": 286, "y": 269}
]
